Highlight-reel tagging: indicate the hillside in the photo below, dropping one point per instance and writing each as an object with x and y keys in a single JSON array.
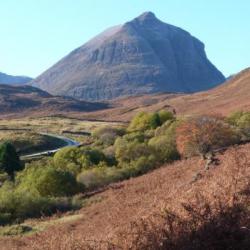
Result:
[
  {"x": 141, "y": 56},
  {"x": 231, "y": 96},
  {"x": 126, "y": 213},
  {"x": 14, "y": 80},
  {"x": 26, "y": 100}
]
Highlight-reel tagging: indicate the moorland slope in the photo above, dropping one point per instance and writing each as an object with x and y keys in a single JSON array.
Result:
[
  {"x": 16, "y": 101},
  {"x": 130, "y": 214}
]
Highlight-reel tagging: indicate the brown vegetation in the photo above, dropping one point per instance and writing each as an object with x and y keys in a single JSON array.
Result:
[
  {"x": 169, "y": 208},
  {"x": 203, "y": 134}
]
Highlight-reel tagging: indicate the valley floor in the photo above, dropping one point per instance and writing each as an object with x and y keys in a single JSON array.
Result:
[{"x": 122, "y": 206}]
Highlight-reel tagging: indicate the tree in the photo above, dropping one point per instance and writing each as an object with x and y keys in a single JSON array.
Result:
[
  {"x": 47, "y": 181},
  {"x": 155, "y": 121},
  {"x": 165, "y": 116},
  {"x": 127, "y": 151},
  {"x": 9, "y": 159},
  {"x": 144, "y": 121},
  {"x": 75, "y": 159},
  {"x": 139, "y": 123},
  {"x": 107, "y": 135},
  {"x": 164, "y": 148},
  {"x": 203, "y": 134}
]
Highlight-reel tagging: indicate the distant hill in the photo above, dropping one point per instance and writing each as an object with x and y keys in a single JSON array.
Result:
[
  {"x": 233, "y": 95},
  {"x": 27, "y": 100},
  {"x": 141, "y": 56},
  {"x": 14, "y": 80}
]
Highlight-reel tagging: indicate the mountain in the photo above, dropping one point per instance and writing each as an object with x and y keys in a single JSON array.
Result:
[
  {"x": 24, "y": 100},
  {"x": 233, "y": 95},
  {"x": 14, "y": 80},
  {"x": 142, "y": 56}
]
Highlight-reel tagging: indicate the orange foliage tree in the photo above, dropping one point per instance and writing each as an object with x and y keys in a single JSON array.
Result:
[{"x": 203, "y": 134}]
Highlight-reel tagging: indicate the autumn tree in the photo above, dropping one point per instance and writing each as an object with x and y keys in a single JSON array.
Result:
[{"x": 203, "y": 134}]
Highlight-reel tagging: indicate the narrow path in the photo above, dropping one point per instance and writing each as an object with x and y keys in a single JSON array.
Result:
[{"x": 68, "y": 142}]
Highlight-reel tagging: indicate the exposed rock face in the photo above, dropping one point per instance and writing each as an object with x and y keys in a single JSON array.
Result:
[
  {"x": 144, "y": 55},
  {"x": 14, "y": 80}
]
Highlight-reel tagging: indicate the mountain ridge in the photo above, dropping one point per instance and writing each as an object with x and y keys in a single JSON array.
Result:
[
  {"x": 27, "y": 100},
  {"x": 14, "y": 80},
  {"x": 141, "y": 56}
]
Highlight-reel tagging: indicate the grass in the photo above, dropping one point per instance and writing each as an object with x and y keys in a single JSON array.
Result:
[
  {"x": 28, "y": 141},
  {"x": 53, "y": 124},
  {"x": 23, "y": 133},
  {"x": 32, "y": 226},
  {"x": 27, "y": 136}
]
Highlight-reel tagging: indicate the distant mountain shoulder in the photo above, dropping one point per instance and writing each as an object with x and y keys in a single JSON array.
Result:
[
  {"x": 233, "y": 95},
  {"x": 27, "y": 100},
  {"x": 14, "y": 80},
  {"x": 142, "y": 56}
]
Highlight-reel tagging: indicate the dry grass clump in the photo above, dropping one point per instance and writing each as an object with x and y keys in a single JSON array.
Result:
[{"x": 216, "y": 218}]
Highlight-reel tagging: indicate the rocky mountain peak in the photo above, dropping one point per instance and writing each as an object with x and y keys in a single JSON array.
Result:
[
  {"x": 142, "y": 56},
  {"x": 147, "y": 16}
]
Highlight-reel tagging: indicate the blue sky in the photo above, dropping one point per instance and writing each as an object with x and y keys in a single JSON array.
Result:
[{"x": 35, "y": 34}]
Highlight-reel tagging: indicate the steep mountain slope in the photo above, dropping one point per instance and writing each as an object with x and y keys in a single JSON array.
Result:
[
  {"x": 13, "y": 80},
  {"x": 231, "y": 96},
  {"x": 144, "y": 55},
  {"x": 22, "y": 100}
]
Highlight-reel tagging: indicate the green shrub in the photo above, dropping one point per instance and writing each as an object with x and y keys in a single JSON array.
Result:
[
  {"x": 144, "y": 121},
  {"x": 154, "y": 121},
  {"x": 75, "y": 159},
  {"x": 165, "y": 116},
  {"x": 99, "y": 177},
  {"x": 142, "y": 165},
  {"x": 107, "y": 135},
  {"x": 234, "y": 118},
  {"x": 165, "y": 148},
  {"x": 109, "y": 153},
  {"x": 168, "y": 128},
  {"x": 15, "y": 230},
  {"x": 47, "y": 181},
  {"x": 17, "y": 204},
  {"x": 241, "y": 120},
  {"x": 129, "y": 151},
  {"x": 134, "y": 136}
]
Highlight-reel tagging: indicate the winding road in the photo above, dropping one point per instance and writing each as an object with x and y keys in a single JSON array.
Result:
[{"x": 68, "y": 142}]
